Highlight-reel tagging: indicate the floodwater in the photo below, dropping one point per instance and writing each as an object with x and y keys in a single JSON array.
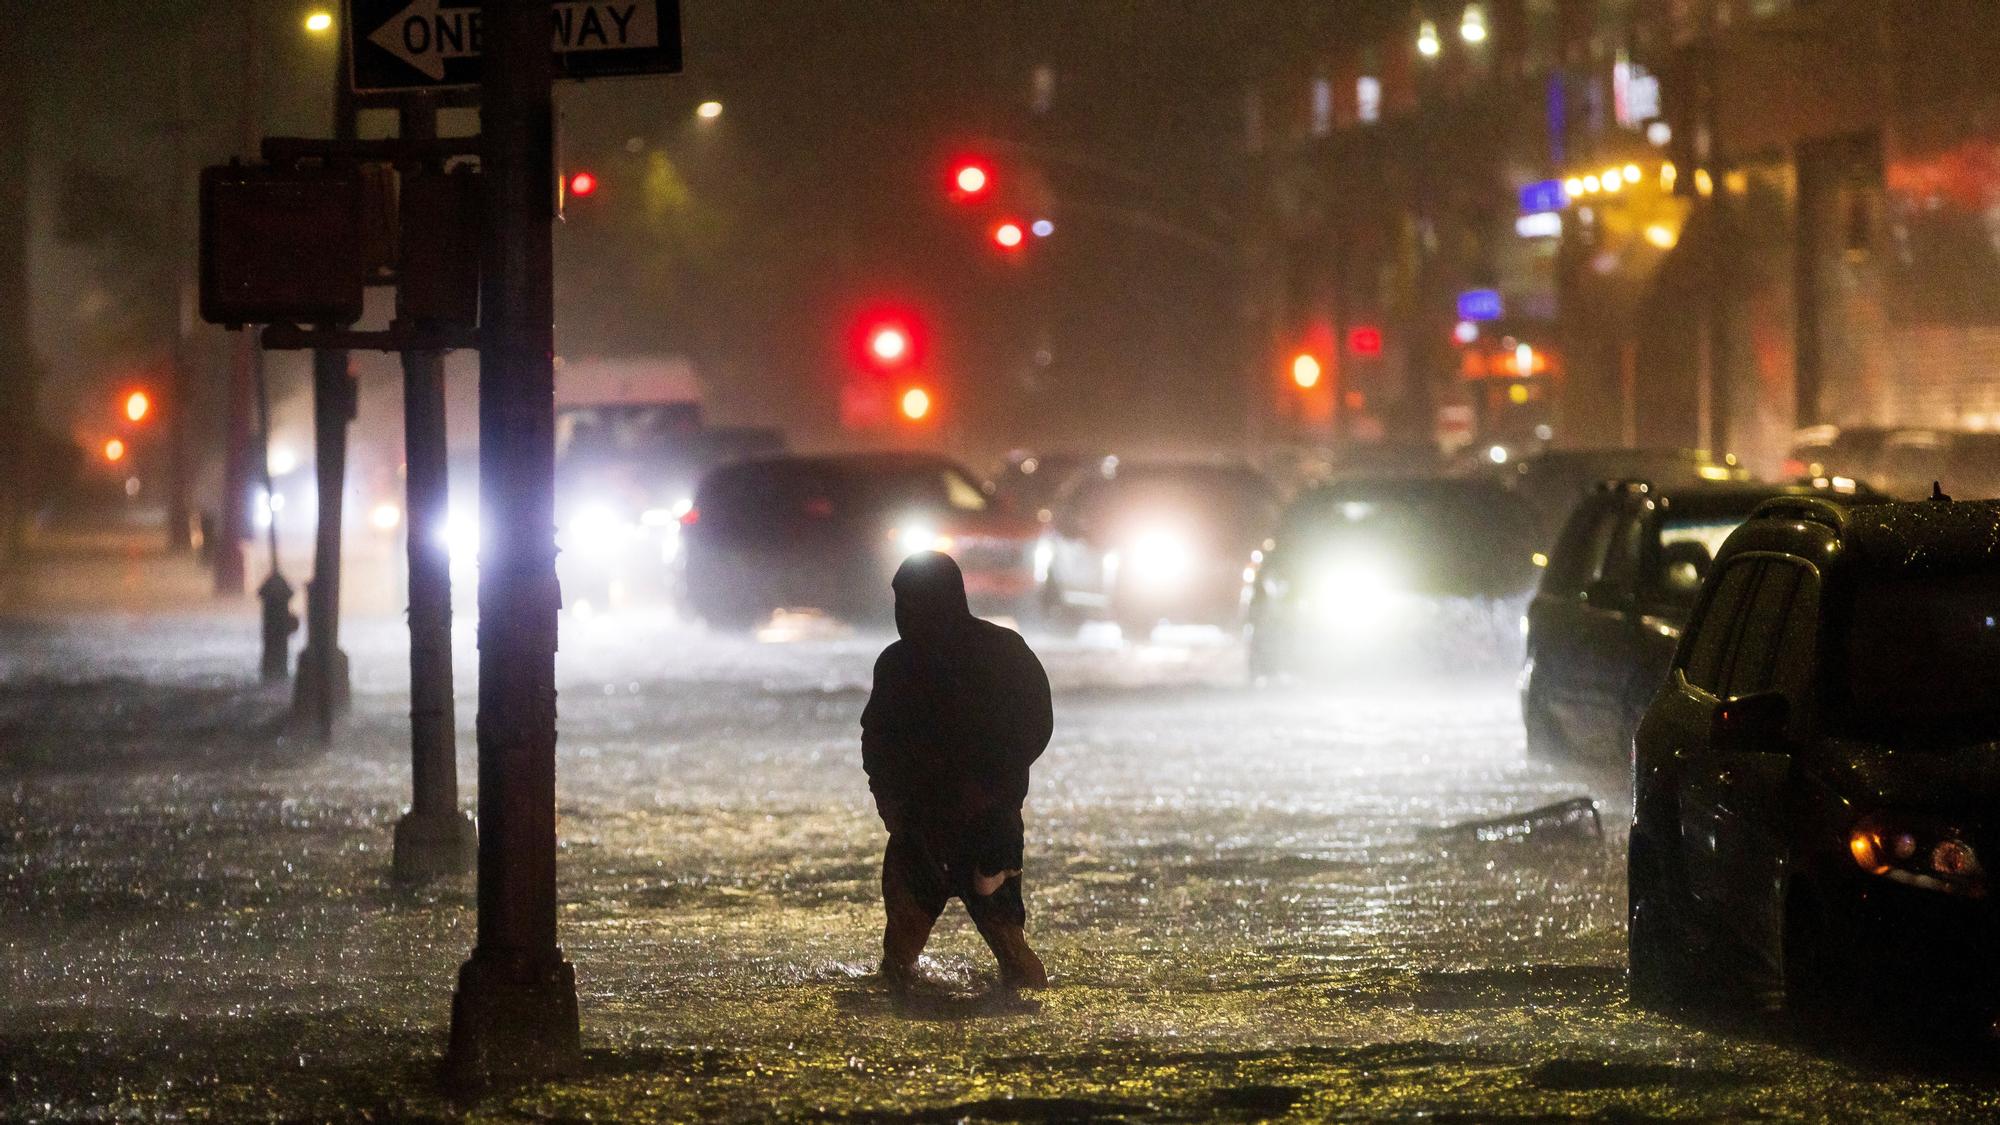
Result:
[{"x": 1242, "y": 895}]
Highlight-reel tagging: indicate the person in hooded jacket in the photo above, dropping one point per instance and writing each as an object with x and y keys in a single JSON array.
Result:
[{"x": 959, "y": 711}]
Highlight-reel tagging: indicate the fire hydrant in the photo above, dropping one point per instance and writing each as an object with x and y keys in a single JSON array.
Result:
[{"x": 279, "y": 625}]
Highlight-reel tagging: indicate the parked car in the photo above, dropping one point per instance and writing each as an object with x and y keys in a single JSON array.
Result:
[
  {"x": 1370, "y": 574},
  {"x": 1611, "y": 604},
  {"x": 1551, "y": 483},
  {"x": 1140, "y": 543},
  {"x": 1827, "y": 451},
  {"x": 828, "y": 532},
  {"x": 1816, "y": 784},
  {"x": 1966, "y": 465}
]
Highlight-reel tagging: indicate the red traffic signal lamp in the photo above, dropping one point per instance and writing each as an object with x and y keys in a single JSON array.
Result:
[
  {"x": 970, "y": 180},
  {"x": 887, "y": 339},
  {"x": 1009, "y": 235},
  {"x": 889, "y": 345},
  {"x": 583, "y": 184},
  {"x": 1365, "y": 340},
  {"x": 1306, "y": 371}
]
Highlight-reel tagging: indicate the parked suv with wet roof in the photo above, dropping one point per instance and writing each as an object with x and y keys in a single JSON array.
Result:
[
  {"x": 1817, "y": 786},
  {"x": 1616, "y": 590}
]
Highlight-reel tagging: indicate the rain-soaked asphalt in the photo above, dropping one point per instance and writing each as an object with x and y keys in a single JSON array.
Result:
[{"x": 1239, "y": 892}]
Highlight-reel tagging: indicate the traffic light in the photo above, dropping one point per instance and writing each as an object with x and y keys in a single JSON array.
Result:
[
  {"x": 970, "y": 180},
  {"x": 915, "y": 404},
  {"x": 138, "y": 405},
  {"x": 1008, "y": 235},
  {"x": 1306, "y": 370},
  {"x": 582, "y": 184},
  {"x": 889, "y": 345}
]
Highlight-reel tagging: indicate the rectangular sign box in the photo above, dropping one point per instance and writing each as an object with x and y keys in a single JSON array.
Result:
[
  {"x": 281, "y": 246},
  {"x": 436, "y": 44}
]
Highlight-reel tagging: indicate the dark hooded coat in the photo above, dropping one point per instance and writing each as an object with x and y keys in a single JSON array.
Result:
[{"x": 959, "y": 711}]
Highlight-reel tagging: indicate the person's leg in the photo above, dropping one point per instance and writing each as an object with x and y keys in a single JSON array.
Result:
[
  {"x": 911, "y": 909},
  {"x": 1002, "y": 919}
]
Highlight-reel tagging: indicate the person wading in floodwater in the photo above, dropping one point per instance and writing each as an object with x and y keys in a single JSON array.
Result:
[{"x": 959, "y": 711}]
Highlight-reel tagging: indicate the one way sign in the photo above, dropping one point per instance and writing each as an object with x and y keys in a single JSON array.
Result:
[{"x": 433, "y": 44}]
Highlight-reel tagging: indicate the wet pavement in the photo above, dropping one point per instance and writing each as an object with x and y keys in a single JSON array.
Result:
[{"x": 1242, "y": 894}]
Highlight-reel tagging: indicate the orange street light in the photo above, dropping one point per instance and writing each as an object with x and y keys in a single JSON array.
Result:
[
  {"x": 138, "y": 404},
  {"x": 114, "y": 451}
]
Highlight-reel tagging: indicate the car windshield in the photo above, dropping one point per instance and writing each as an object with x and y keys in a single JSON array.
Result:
[
  {"x": 1894, "y": 675},
  {"x": 924, "y": 487}
]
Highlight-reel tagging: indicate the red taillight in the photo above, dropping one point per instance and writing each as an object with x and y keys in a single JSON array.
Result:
[{"x": 691, "y": 517}]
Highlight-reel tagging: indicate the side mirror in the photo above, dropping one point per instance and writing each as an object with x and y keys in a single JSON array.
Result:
[
  {"x": 1751, "y": 724},
  {"x": 1605, "y": 592}
]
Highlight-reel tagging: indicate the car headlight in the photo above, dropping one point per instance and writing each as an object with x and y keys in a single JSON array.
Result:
[
  {"x": 916, "y": 537},
  {"x": 460, "y": 537},
  {"x": 1934, "y": 857},
  {"x": 594, "y": 528},
  {"x": 1159, "y": 557},
  {"x": 1357, "y": 593}
]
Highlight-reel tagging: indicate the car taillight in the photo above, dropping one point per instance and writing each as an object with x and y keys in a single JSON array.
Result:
[{"x": 691, "y": 517}]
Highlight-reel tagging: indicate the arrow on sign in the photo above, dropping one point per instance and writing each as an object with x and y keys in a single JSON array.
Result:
[{"x": 426, "y": 34}]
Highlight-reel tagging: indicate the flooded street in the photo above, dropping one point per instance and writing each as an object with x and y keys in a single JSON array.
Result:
[{"x": 1243, "y": 895}]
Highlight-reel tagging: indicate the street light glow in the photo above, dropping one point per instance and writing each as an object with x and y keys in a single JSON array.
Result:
[
  {"x": 1427, "y": 40},
  {"x": 137, "y": 406},
  {"x": 1472, "y": 28},
  {"x": 709, "y": 110},
  {"x": 114, "y": 451},
  {"x": 1661, "y": 235},
  {"x": 1305, "y": 371},
  {"x": 319, "y": 22}
]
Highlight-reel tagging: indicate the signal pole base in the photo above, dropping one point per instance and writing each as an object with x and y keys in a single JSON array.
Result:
[
  {"x": 513, "y": 1019},
  {"x": 434, "y": 846}
]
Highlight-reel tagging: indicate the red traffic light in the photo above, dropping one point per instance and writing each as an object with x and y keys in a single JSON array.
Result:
[
  {"x": 1365, "y": 340},
  {"x": 1306, "y": 371},
  {"x": 1008, "y": 235},
  {"x": 582, "y": 184},
  {"x": 889, "y": 345},
  {"x": 970, "y": 180}
]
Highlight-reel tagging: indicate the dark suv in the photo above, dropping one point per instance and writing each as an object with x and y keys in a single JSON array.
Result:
[
  {"x": 1617, "y": 588},
  {"x": 1816, "y": 784}
]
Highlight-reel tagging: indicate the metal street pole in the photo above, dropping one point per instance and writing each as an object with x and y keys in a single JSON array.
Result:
[
  {"x": 515, "y": 1013},
  {"x": 434, "y": 837},
  {"x": 321, "y": 691},
  {"x": 179, "y": 413},
  {"x": 246, "y": 355}
]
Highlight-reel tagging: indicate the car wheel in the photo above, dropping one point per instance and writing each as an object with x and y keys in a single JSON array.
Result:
[
  {"x": 1544, "y": 743},
  {"x": 1814, "y": 980},
  {"x": 1136, "y": 628},
  {"x": 1056, "y": 616},
  {"x": 1653, "y": 978}
]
